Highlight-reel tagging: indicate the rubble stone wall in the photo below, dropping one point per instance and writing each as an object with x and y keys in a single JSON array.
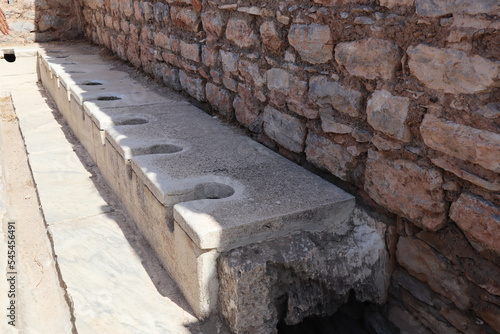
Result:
[
  {"x": 397, "y": 101},
  {"x": 40, "y": 21}
]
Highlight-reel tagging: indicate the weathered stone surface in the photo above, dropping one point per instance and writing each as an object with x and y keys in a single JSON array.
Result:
[
  {"x": 220, "y": 99},
  {"x": 327, "y": 154},
  {"x": 369, "y": 58},
  {"x": 330, "y": 124},
  {"x": 491, "y": 111},
  {"x": 229, "y": 61},
  {"x": 240, "y": 32},
  {"x": 193, "y": 86},
  {"x": 463, "y": 142},
  {"x": 453, "y": 71},
  {"x": 425, "y": 264},
  {"x": 488, "y": 180},
  {"x": 407, "y": 189},
  {"x": 213, "y": 24},
  {"x": 443, "y": 7},
  {"x": 395, "y": 3},
  {"x": 251, "y": 72},
  {"x": 288, "y": 90},
  {"x": 330, "y": 93},
  {"x": 406, "y": 322},
  {"x": 387, "y": 113},
  {"x": 479, "y": 219},
  {"x": 319, "y": 273},
  {"x": 190, "y": 51},
  {"x": 270, "y": 36},
  {"x": 186, "y": 18},
  {"x": 340, "y": 2},
  {"x": 209, "y": 56},
  {"x": 287, "y": 130},
  {"x": 313, "y": 42},
  {"x": 247, "y": 109},
  {"x": 47, "y": 22}
]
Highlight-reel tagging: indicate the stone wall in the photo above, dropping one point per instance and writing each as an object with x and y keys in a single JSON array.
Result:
[
  {"x": 40, "y": 21},
  {"x": 397, "y": 101}
]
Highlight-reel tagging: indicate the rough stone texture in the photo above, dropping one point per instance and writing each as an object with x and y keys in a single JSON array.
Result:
[
  {"x": 190, "y": 51},
  {"x": 229, "y": 61},
  {"x": 213, "y": 24},
  {"x": 314, "y": 268},
  {"x": 288, "y": 90},
  {"x": 270, "y": 36},
  {"x": 240, "y": 32},
  {"x": 247, "y": 109},
  {"x": 387, "y": 113},
  {"x": 193, "y": 86},
  {"x": 424, "y": 263},
  {"x": 327, "y": 154},
  {"x": 251, "y": 72},
  {"x": 479, "y": 219},
  {"x": 185, "y": 18},
  {"x": 453, "y": 71},
  {"x": 407, "y": 189},
  {"x": 330, "y": 93},
  {"x": 369, "y": 58},
  {"x": 443, "y": 7},
  {"x": 285, "y": 129},
  {"x": 395, "y": 3},
  {"x": 313, "y": 42},
  {"x": 220, "y": 99},
  {"x": 463, "y": 142}
]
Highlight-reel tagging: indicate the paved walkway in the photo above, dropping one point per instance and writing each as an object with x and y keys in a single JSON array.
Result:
[{"x": 105, "y": 278}]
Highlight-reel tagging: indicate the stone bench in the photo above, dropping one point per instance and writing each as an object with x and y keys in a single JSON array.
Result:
[{"x": 195, "y": 187}]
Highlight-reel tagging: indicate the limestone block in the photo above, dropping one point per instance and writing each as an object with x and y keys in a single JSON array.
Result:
[
  {"x": 443, "y": 7},
  {"x": 453, "y": 71},
  {"x": 241, "y": 33},
  {"x": 319, "y": 272},
  {"x": 213, "y": 24},
  {"x": 334, "y": 94},
  {"x": 247, "y": 109},
  {"x": 370, "y": 58},
  {"x": 313, "y": 42},
  {"x": 186, "y": 18},
  {"x": 270, "y": 36},
  {"x": 463, "y": 142},
  {"x": 220, "y": 99},
  {"x": 407, "y": 189},
  {"x": 395, "y": 3},
  {"x": 327, "y": 154},
  {"x": 479, "y": 219},
  {"x": 285, "y": 129},
  {"x": 387, "y": 113},
  {"x": 193, "y": 86}
]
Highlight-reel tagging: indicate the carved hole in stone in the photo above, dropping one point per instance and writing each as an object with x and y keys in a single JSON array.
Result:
[
  {"x": 9, "y": 56},
  {"x": 91, "y": 83},
  {"x": 108, "y": 98},
  {"x": 351, "y": 317},
  {"x": 212, "y": 190},
  {"x": 132, "y": 121},
  {"x": 157, "y": 149}
]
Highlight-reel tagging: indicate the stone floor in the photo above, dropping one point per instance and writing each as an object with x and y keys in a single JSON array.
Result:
[{"x": 89, "y": 270}]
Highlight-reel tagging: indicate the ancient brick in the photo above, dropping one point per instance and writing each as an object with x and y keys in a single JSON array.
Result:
[
  {"x": 213, "y": 24},
  {"x": 286, "y": 130},
  {"x": 453, "y": 71},
  {"x": 220, "y": 99},
  {"x": 407, "y": 189},
  {"x": 369, "y": 58},
  {"x": 387, "y": 113},
  {"x": 479, "y": 219},
  {"x": 193, "y": 86},
  {"x": 270, "y": 36},
  {"x": 240, "y": 32},
  {"x": 247, "y": 109},
  {"x": 190, "y": 51},
  {"x": 329, "y": 155},
  {"x": 424, "y": 263},
  {"x": 186, "y": 18},
  {"x": 313, "y": 42},
  {"x": 443, "y": 7},
  {"x": 463, "y": 142},
  {"x": 229, "y": 61},
  {"x": 330, "y": 93}
]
